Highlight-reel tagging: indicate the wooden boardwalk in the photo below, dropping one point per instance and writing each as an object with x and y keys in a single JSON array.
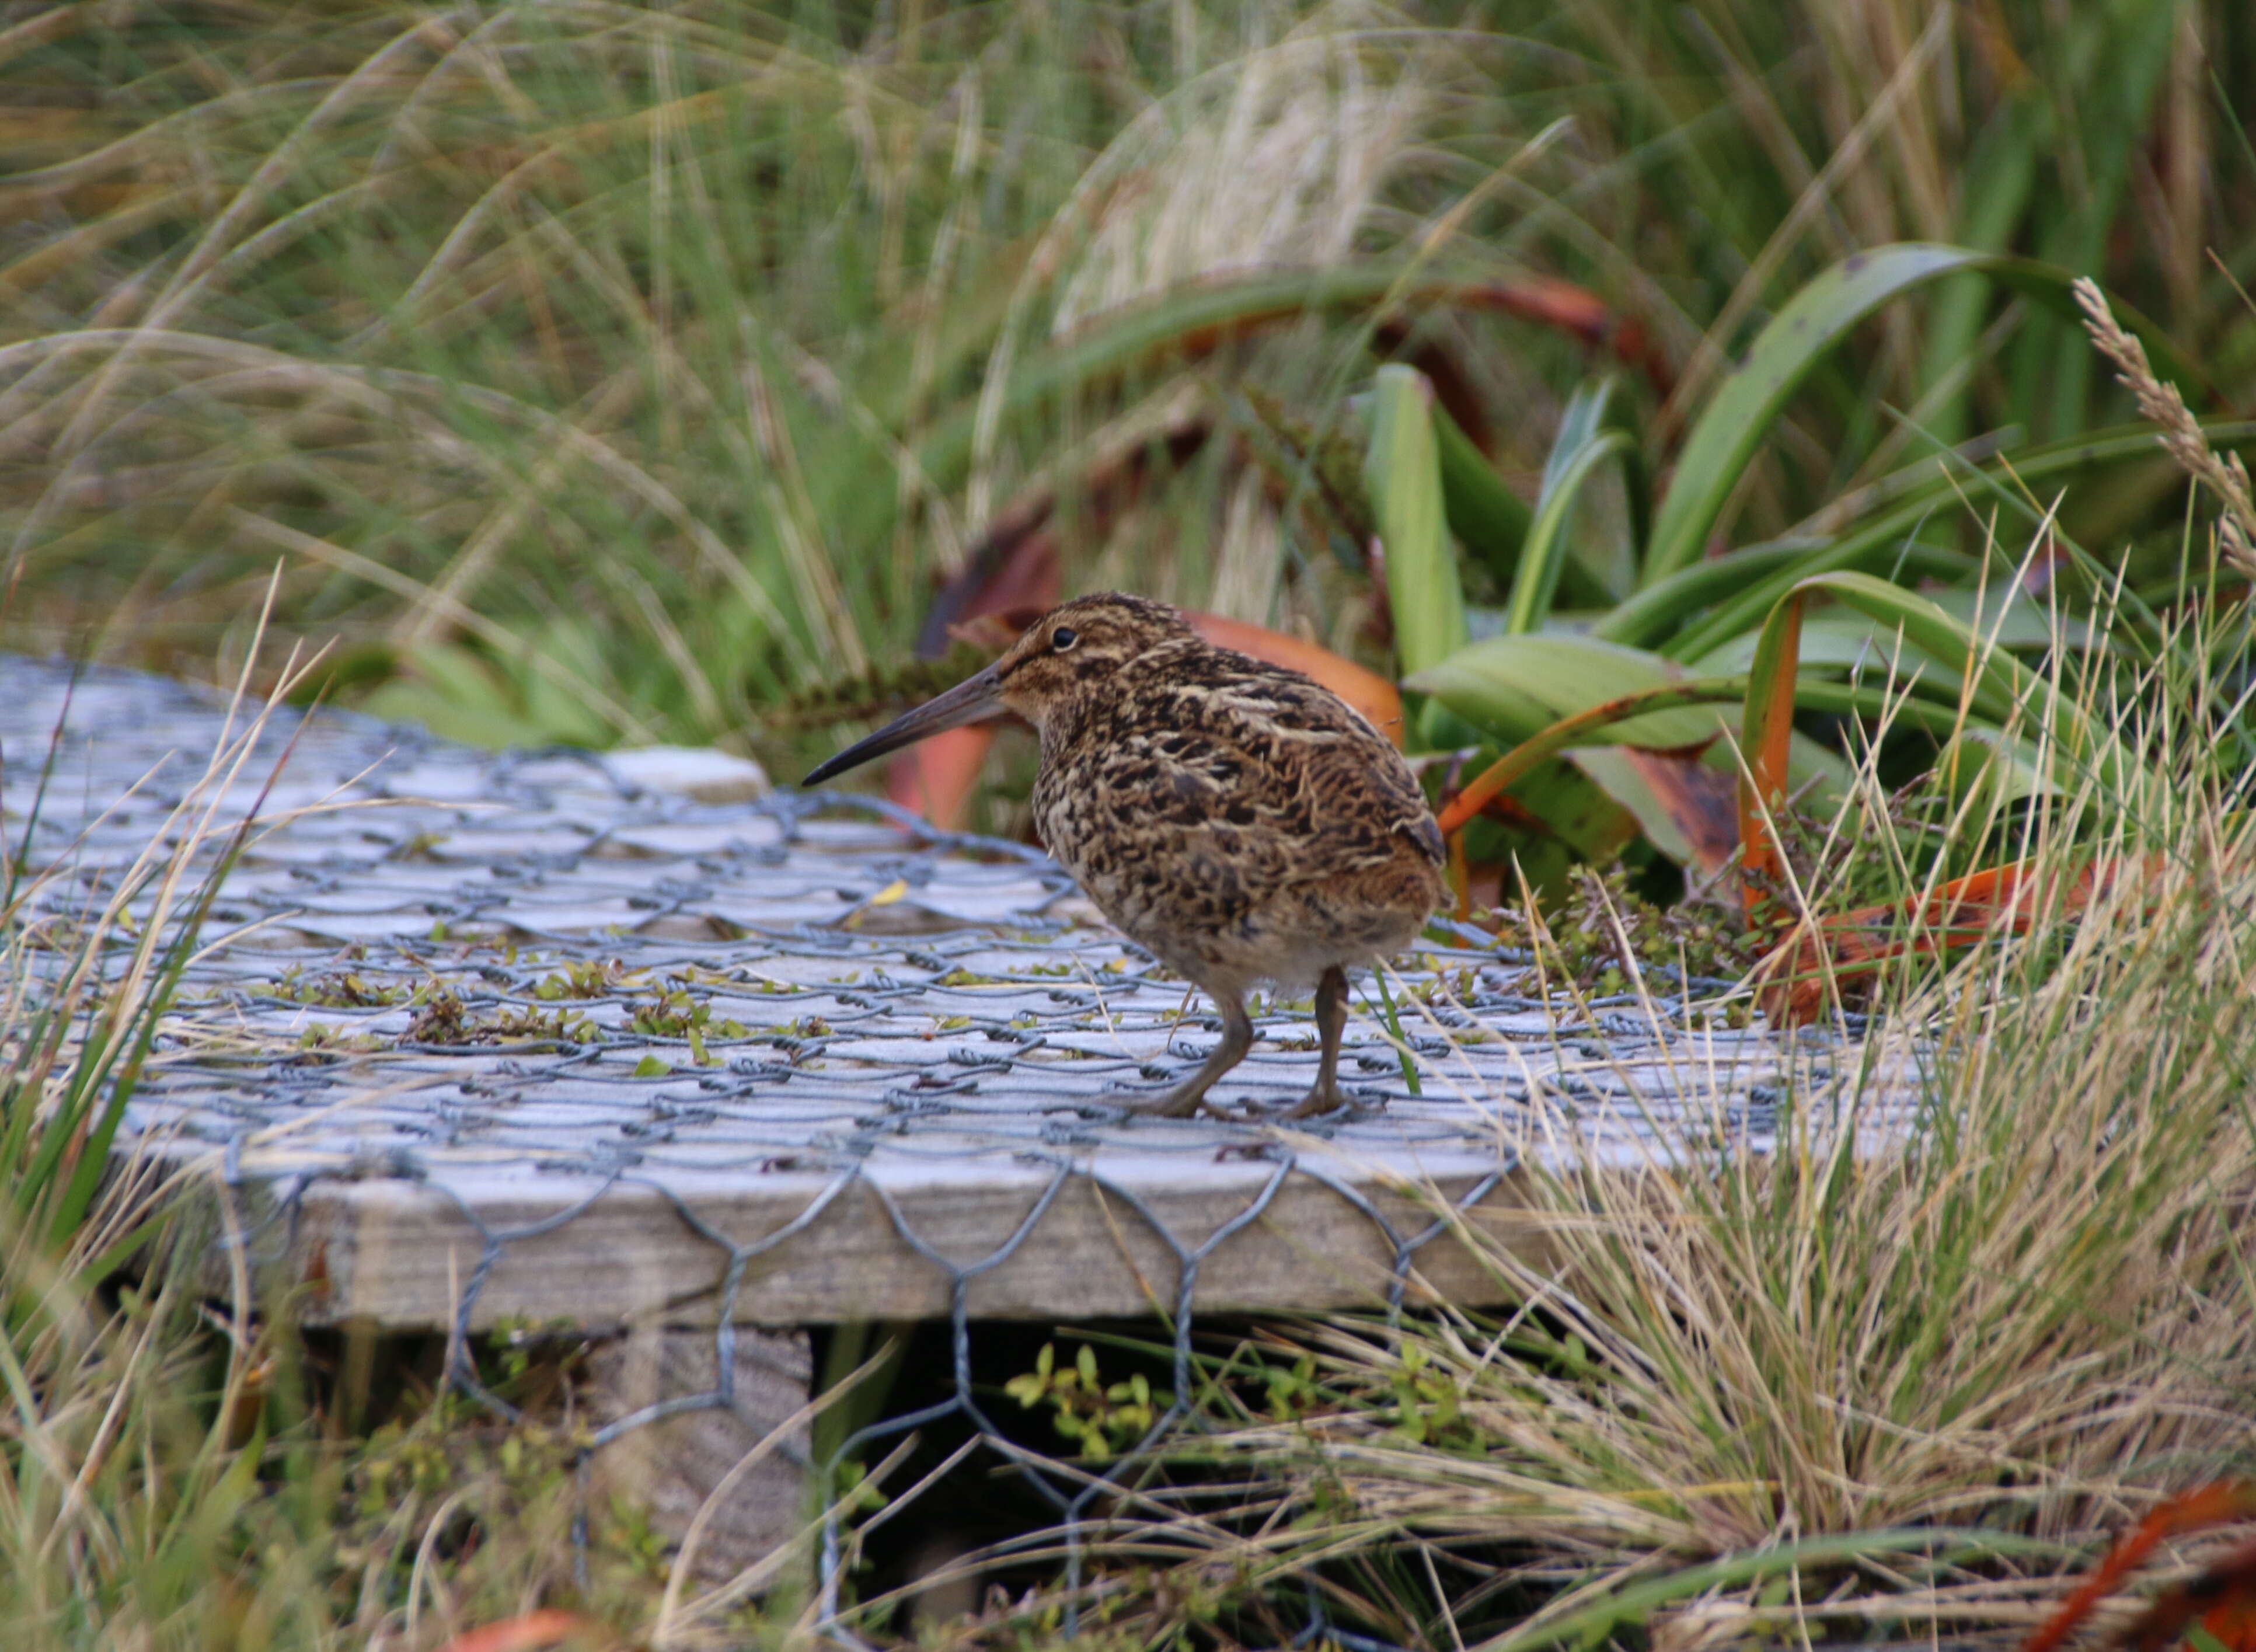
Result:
[{"x": 512, "y": 1037}]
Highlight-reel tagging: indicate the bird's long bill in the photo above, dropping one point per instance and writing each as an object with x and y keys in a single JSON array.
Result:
[{"x": 977, "y": 698}]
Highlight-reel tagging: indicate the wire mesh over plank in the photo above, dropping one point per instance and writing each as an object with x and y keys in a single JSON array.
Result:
[{"x": 480, "y": 1036}]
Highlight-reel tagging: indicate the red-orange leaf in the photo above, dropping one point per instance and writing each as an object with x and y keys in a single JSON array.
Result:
[
  {"x": 531, "y": 1633},
  {"x": 1698, "y": 800},
  {"x": 935, "y": 777},
  {"x": 2225, "y": 1592},
  {"x": 1964, "y": 911},
  {"x": 2221, "y": 1600},
  {"x": 1367, "y": 691}
]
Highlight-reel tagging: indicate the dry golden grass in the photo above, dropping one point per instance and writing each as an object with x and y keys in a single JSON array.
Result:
[{"x": 1900, "y": 1382}]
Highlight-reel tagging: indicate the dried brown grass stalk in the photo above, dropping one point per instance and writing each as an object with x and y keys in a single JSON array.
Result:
[{"x": 2222, "y": 474}]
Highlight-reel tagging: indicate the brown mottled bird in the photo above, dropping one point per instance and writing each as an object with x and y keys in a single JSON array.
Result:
[{"x": 1236, "y": 820}]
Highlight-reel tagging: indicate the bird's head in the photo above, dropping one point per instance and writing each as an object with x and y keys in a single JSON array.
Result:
[{"x": 1074, "y": 651}]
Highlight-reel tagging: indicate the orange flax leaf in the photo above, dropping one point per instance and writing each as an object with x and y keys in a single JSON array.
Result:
[
  {"x": 1969, "y": 910},
  {"x": 936, "y": 777},
  {"x": 1490, "y": 782},
  {"x": 2223, "y": 1597},
  {"x": 2213, "y": 1505},
  {"x": 1373, "y": 695},
  {"x": 1461, "y": 877},
  {"x": 530, "y": 1632},
  {"x": 1964, "y": 912},
  {"x": 1765, "y": 741}
]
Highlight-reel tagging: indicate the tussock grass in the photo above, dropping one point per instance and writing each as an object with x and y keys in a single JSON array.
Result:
[
  {"x": 121, "y": 1485},
  {"x": 1846, "y": 1387}
]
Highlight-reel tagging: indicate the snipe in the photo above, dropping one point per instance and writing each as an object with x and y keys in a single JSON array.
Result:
[{"x": 1235, "y": 819}]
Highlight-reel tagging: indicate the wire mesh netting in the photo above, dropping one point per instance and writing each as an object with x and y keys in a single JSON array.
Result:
[{"x": 476, "y": 1037}]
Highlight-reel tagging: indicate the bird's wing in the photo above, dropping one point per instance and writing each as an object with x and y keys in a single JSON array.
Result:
[{"x": 1270, "y": 768}]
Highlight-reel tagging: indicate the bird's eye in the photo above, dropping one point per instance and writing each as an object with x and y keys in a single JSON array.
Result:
[{"x": 1064, "y": 638}]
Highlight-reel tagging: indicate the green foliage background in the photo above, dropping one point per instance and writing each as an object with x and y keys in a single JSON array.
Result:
[{"x": 605, "y": 372}]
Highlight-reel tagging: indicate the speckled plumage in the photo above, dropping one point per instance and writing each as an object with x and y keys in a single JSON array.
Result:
[{"x": 1236, "y": 819}]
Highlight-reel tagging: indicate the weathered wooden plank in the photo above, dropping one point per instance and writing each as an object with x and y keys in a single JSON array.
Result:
[
  {"x": 673, "y": 1465},
  {"x": 404, "y": 1253}
]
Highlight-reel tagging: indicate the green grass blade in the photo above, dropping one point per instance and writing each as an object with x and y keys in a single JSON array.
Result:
[
  {"x": 1580, "y": 421},
  {"x": 94, "y": 1157},
  {"x": 1546, "y": 549},
  {"x": 1488, "y": 517},
  {"x": 20, "y": 860},
  {"x": 1403, "y": 476},
  {"x": 1743, "y": 610},
  {"x": 1999, "y": 690},
  {"x": 63, "y": 1120},
  {"x": 1590, "y": 1624},
  {"x": 1516, "y": 686},
  {"x": 19, "y": 1102},
  {"x": 1733, "y": 426}
]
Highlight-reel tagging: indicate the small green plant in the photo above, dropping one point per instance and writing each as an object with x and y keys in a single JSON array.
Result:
[
  {"x": 1101, "y": 1419},
  {"x": 1291, "y": 1390},
  {"x": 1430, "y": 1406},
  {"x": 444, "y": 1018},
  {"x": 1603, "y": 934},
  {"x": 678, "y": 1014},
  {"x": 321, "y": 1040},
  {"x": 339, "y": 989},
  {"x": 583, "y": 978}
]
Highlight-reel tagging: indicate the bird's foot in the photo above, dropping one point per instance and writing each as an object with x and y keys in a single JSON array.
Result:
[
  {"x": 1184, "y": 1101},
  {"x": 1325, "y": 1097}
]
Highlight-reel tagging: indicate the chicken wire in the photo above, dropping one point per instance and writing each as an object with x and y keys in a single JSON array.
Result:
[{"x": 526, "y": 989}]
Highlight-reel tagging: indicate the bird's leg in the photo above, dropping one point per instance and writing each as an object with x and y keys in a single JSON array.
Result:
[
  {"x": 1331, "y": 1024},
  {"x": 1186, "y": 1098}
]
